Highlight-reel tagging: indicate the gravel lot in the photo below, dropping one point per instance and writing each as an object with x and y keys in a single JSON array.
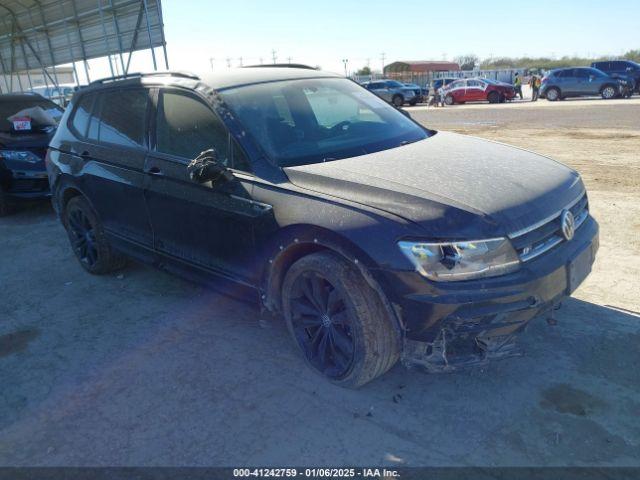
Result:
[{"x": 140, "y": 368}]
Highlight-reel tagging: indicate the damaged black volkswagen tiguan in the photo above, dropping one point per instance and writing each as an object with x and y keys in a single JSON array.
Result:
[{"x": 375, "y": 238}]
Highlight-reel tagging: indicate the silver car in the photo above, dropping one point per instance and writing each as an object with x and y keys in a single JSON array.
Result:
[{"x": 393, "y": 92}]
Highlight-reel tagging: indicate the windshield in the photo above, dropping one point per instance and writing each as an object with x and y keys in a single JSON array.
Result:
[
  {"x": 394, "y": 84},
  {"x": 299, "y": 122},
  {"x": 29, "y": 114}
]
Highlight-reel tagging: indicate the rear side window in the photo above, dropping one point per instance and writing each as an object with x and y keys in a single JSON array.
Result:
[
  {"x": 186, "y": 126},
  {"x": 123, "y": 117},
  {"x": 81, "y": 115},
  {"x": 565, "y": 73}
]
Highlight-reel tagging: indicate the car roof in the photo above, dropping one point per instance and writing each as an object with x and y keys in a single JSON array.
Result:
[{"x": 235, "y": 77}]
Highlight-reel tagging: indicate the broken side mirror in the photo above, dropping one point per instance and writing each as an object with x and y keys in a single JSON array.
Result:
[{"x": 206, "y": 167}]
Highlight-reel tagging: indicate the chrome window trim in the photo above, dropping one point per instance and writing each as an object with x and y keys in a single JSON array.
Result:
[{"x": 536, "y": 225}]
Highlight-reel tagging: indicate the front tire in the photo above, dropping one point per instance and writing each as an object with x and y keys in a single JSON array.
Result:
[
  {"x": 398, "y": 100},
  {"x": 449, "y": 100},
  {"x": 87, "y": 238},
  {"x": 608, "y": 92},
  {"x": 338, "y": 321},
  {"x": 553, "y": 94}
]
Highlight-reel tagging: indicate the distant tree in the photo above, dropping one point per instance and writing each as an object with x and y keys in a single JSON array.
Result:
[
  {"x": 633, "y": 55},
  {"x": 467, "y": 62},
  {"x": 546, "y": 63},
  {"x": 364, "y": 71}
]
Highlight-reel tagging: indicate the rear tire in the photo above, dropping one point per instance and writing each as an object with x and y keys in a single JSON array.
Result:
[
  {"x": 338, "y": 321},
  {"x": 397, "y": 100},
  {"x": 553, "y": 94},
  {"x": 87, "y": 238},
  {"x": 493, "y": 97}
]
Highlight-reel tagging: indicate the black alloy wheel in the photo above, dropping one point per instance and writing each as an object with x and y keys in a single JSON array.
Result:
[
  {"x": 87, "y": 238},
  {"x": 321, "y": 324},
  {"x": 83, "y": 237}
]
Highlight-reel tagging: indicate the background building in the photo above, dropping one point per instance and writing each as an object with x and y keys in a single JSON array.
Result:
[{"x": 421, "y": 66}]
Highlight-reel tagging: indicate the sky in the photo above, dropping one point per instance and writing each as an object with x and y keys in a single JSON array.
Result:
[{"x": 205, "y": 34}]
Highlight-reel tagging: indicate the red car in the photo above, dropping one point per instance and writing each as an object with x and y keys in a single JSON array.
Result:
[{"x": 478, "y": 90}]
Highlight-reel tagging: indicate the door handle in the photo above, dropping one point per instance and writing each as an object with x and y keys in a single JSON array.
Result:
[{"x": 155, "y": 171}]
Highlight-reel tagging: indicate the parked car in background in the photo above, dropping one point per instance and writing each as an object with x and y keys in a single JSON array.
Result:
[
  {"x": 60, "y": 94},
  {"x": 625, "y": 69},
  {"x": 578, "y": 82},
  {"x": 27, "y": 124},
  {"x": 422, "y": 93},
  {"x": 375, "y": 238},
  {"x": 439, "y": 82},
  {"x": 392, "y": 91},
  {"x": 478, "y": 90}
]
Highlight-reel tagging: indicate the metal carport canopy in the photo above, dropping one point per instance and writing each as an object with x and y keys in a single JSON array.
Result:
[{"x": 36, "y": 34}]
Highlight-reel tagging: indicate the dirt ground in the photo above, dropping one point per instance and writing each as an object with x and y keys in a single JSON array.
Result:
[{"x": 140, "y": 368}]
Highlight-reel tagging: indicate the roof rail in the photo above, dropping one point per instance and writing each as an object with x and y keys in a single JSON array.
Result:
[
  {"x": 282, "y": 65},
  {"x": 142, "y": 75}
]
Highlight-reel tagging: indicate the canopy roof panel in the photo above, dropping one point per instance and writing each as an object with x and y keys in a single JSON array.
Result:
[{"x": 44, "y": 33}]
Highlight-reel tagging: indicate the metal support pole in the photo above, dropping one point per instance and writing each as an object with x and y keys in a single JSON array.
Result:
[
  {"x": 164, "y": 41},
  {"x": 44, "y": 76},
  {"x": 4, "y": 73},
  {"x": 26, "y": 64},
  {"x": 134, "y": 38},
  {"x": 68, "y": 35},
  {"x": 53, "y": 61},
  {"x": 153, "y": 53},
  {"x": 13, "y": 57},
  {"x": 104, "y": 34},
  {"x": 84, "y": 53},
  {"x": 117, "y": 29}
]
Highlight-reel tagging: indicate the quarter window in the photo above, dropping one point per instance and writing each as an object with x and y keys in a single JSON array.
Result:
[
  {"x": 185, "y": 127},
  {"x": 81, "y": 115}
]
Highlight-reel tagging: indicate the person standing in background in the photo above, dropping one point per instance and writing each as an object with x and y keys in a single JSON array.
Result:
[
  {"x": 517, "y": 83},
  {"x": 435, "y": 101},
  {"x": 534, "y": 83}
]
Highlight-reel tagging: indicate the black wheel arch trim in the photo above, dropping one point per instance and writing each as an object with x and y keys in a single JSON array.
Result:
[{"x": 298, "y": 241}]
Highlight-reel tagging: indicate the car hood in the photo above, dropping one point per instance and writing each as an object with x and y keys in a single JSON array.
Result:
[{"x": 452, "y": 185}]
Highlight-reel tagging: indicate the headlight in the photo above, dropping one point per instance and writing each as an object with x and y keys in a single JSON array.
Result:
[
  {"x": 19, "y": 156},
  {"x": 451, "y": 261}
]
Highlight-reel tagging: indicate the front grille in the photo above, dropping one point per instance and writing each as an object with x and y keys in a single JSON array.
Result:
[{"x": 547, "y": 234}]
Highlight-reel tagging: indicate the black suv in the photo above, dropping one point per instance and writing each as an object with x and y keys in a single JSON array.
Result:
[
  {"x": 625, "y": 69},
  {"x": 376, "y": 238},
  {"x": 27, "y": 124}
]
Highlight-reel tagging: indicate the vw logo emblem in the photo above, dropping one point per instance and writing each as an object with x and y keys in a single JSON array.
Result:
[{"x": 568, "y": 224}]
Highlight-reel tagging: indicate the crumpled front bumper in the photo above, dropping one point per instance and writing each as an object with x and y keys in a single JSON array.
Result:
[{"x": 448, "y": 324}]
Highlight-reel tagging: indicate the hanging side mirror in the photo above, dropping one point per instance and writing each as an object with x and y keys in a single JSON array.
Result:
[{"x": 207, "y": 168}]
